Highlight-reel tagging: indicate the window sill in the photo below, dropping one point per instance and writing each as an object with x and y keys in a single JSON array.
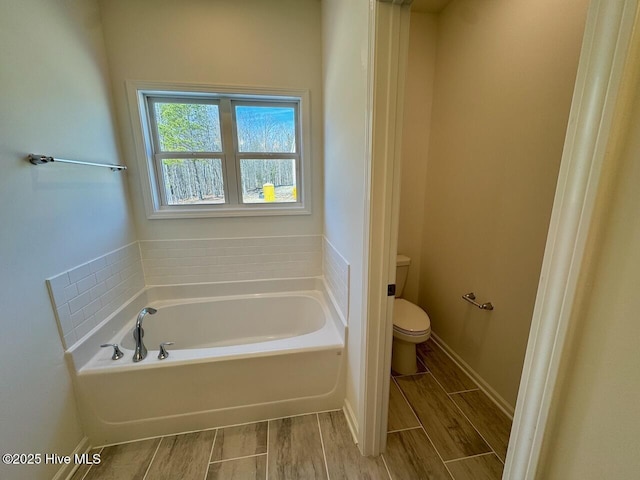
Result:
[{"x": 231, "y": 211}]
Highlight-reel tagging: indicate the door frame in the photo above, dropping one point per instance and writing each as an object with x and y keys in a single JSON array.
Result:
[
  {"x": 603, "y": 57},
  {"x": 388, "y": 50}
]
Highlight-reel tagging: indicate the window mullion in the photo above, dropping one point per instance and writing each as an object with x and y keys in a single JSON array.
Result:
[
  {"x": 160, "y": 179},
  {"x": 266, "y": 155},
  {"x": 189, "y": 155},
  {"x": 230, "y": 169}
]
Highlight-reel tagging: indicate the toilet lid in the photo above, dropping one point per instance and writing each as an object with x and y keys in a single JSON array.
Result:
[{"x": 410, "y": 318}]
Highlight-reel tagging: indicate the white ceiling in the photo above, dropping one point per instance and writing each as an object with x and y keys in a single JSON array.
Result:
[{"x": 428, "y": 6}]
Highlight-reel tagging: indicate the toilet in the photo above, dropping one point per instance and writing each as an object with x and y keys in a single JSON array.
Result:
[{"x": 411, "y": 324}]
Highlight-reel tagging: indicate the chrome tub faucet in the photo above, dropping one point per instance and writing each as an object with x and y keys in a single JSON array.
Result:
[{"x": 138, "y": 332}]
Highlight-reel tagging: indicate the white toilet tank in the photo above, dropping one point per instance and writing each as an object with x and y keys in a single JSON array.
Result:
[{"x": 402, "y": 270}]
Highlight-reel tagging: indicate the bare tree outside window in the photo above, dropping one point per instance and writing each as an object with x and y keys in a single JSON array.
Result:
[
  {"x": 186, "y": 127},
  {"x": 267, "y": 130}
]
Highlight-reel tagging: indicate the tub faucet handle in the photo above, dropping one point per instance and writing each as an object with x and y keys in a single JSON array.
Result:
[
  {"x": 117, "y": 353},
  {"x": 163, "y": 353}
]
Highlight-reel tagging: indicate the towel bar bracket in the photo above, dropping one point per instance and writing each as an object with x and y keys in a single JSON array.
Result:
[{"x": 471, "y": 298}]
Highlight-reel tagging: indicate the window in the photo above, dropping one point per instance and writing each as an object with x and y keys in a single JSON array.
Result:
[{"x": 222, "y": 152}]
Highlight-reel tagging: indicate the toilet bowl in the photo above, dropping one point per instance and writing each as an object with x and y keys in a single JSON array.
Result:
[{"x": 411, "y": 324}]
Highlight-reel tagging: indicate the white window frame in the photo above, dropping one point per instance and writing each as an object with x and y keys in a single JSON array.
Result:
[{"x": 225, "y": 96}]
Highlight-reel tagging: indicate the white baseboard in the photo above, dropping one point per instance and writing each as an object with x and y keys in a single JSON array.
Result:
[
  {"x": 495, "y": 397},
  {"x": 351, "y": 420},
  {"x": 67, "y": 471}
]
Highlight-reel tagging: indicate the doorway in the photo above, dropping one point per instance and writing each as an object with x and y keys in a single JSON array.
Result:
[{"x": 567, "y": 231}]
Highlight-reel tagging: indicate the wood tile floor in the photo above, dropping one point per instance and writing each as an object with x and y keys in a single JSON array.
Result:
[
  {"x": 458, "y": 432},
  {"x": 435, "y": 432}
]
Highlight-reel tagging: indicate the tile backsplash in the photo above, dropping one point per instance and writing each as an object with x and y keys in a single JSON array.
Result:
[
  {"x": 87, "y": 294},
  {"x": 336, "y": 272},
  {"x": 169, "y": 262}
]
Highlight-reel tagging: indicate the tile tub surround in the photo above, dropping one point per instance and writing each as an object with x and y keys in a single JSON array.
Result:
[
  {"x": 87, "y": 294},
  {"x": 171, "y": 262},
  {"x": 336, "y": 273}
]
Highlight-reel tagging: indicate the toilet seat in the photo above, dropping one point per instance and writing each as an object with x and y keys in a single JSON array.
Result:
[
  {"x": 410, "y": 319},
  {"x": 411, "y": 334}
]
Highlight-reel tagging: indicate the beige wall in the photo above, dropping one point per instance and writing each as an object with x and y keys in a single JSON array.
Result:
[
  {"x": 345, "y": 40},
  {"x": 250, "y": 43},
  {"x": 55, "y": 100},
  {"x": 415, "y": 142},
  {"x": 504, "y": 78},
  {"x": 595, "y": 423}
]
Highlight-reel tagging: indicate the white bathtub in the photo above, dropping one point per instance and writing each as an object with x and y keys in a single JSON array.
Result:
[{"x": 244, "y": 351}]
